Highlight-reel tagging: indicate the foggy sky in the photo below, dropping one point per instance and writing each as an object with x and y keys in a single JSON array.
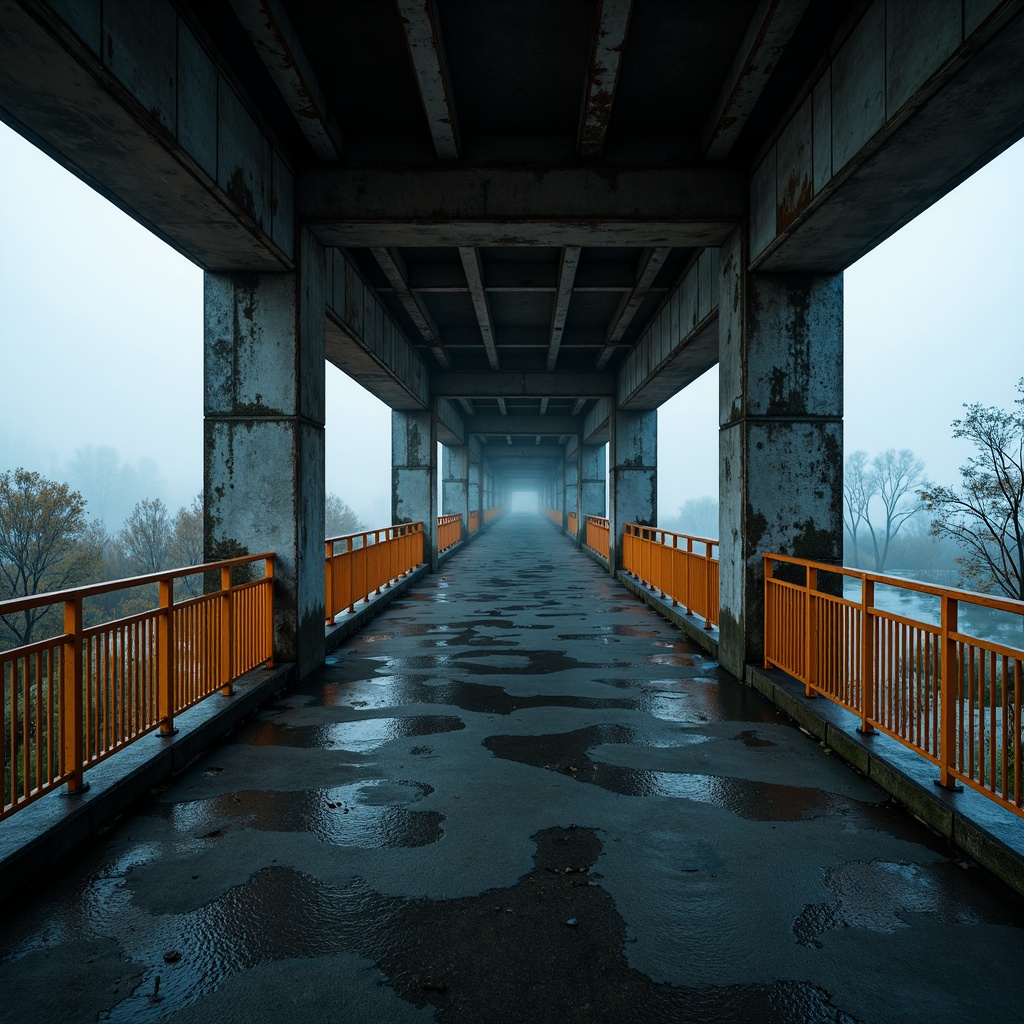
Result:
[{"x": 101, "y": 335}]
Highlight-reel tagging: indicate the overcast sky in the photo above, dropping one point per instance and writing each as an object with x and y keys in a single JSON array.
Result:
[{"x": 101, "y": 331}]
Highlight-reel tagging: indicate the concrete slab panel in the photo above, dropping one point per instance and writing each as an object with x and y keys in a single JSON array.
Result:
[
  {"x": 762, "y": 205},
  {"x": 197, "y": 102},
  {"x": 919, "y": 36},
  {"x": 822, "y": 131},
  {"x": 858, "y": 87},
  {"x": 282, "y": 206},
  {"x": 140, "y": 45},
  {"x": 83, "y": 18},
  {"x": 976, "y": 12},
  {"x": 794, "y": 164},
  {"x": 244, "y": 158}
]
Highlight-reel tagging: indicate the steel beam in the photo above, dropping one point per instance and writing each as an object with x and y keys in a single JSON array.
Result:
[
  {"x": 391, "y": 262},
  {"x": 647, "y": 270},
  {"x": 610, "y": 29},
  {"x": 566, "y": 275},
  {"x": 513, "y": 384},
  {"x": 769, "y": 33},
  {"x": 271, "y": 32},
  {"x": 468, "y": 206},
  {"x": 426, "y": 49}
]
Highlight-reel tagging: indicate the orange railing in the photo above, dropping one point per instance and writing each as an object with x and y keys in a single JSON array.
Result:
[
  {"x": 474, "y": 522},
  {"x": 574, "y": 524},
  {"x": 953, "y": 697},
  {"x": 674, "y": 565},
  {"x": 75, "y": 698},
  {"x": 596, "y": 536},
  {"x": 490, "y": 514},
  {"x": 449, "y": 532},
  {"x": 555, "y": 515},
  {"x": 360, "y": 564}
]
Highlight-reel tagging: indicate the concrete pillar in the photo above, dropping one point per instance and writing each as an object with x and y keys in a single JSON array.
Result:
[
  {"x": 781, "y": 440},
  {"x": 263, "y": 468},
  {"x": 476, "y": 492},
  {"x": 572, "y": 481},
  {"x": 455, "y": 484},
  {"x": 414, "y": 474},
  {"x": 633, "y": 494},
  {"x": 593, "y": 468}
]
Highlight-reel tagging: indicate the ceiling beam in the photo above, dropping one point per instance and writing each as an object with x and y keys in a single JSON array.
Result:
[
  {"x": 277, "y": 44},
  {"x": 426, "y": 49},
  {"x": 502, "y": 408},
  {"x": 544, "y": 406},
  {"x": 610, "y": 29},
  {"x": 475, "y": 280},
  {"x": 566, "y": 275},
  {"x": 523, "y": 424},
  {"x": 516, "y": 384},
  {"x": 647, "y": 270},
  {"x": 467, "y": 206},
  {"x": 769, "y": 33},
  {"x": 391, "y": 262}
]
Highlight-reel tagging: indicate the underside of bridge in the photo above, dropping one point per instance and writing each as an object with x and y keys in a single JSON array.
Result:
[{"x": 524, "y": 225}]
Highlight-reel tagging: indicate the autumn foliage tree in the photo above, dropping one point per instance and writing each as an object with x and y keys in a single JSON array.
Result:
[
  {"x": 985, "y": 514},
  {"x": 45, "y": 544}
]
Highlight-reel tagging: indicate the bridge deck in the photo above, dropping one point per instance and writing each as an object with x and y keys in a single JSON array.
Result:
[{"x": 519, "y": 797}]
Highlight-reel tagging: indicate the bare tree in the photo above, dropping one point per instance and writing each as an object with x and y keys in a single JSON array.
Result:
[
  {"x": 859, "y": 486},
  {"x": 146, "y": 536},
  {"x": 897, "y": 477},
  {"x": 985, "y": 515},
  {"x": 339, "y": 518},
  {"x": 44, "y": 544}
]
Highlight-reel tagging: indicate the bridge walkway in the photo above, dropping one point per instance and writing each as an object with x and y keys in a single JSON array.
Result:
[{"x": 518, "y": 796}]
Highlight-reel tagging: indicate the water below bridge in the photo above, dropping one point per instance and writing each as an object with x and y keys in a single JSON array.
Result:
[{"x": 519, "y": 796}]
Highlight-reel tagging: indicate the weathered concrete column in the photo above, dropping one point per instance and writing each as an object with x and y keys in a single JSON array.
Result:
[
  {"x": 414, "y": 474},
  {"x": 263, "y": 468},
  {"x": 633, "y": 493},
  {"x": 455, "y": 484},
  {"x": 476, "y": 492},
  {"x": 781, "y": 440},
  {"x": 572, "y": 482},
  {"x": 592, "y": 480}
]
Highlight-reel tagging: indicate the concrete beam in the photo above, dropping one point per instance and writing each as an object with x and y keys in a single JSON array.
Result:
[
  {"x": 148, "y": 119},
  {"x": 609, "y": 41},
  {"x": 769, "y": 33},
  {"x": 275, "y": 40},
  {"x": 916, "y": 98},
  {"x": 426, "y": 50},
  {"x": 680, "y": 342},
  {"x": 567, "y": 265},
  {"x": 366, "y": 343},
  {"x": 451, "y": 428},
  {"x": 514, "y": 384},
  {"x": 540, "y": 425},
  {"x": 393, "y": 265},
  {"x": 595, "y": 424},
  {"x": 521, "y": 205},
  {"x": 475, "y": 282},
  {"x": 649, "y": 264}
]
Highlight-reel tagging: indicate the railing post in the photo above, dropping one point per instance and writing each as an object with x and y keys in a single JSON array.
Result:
[
  {"x": 227, "y": 634},
  {"x": 72, "y": 699},
  {"x": 268, "y": 574},
  {"x": 329, "y": 581},
  {"x": 350, "y": 551},
  {"x": 707, "y": 584},
  {"x": 811, "y": 585},
  {"x": 165, "y": 676},
  {"x": 948, "y": 686},
  {"x": 867, "y": 655},
  {"x": 689, "y": 576}
]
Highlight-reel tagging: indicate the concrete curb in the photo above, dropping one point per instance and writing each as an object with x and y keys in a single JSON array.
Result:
[
  {"x": 37, "y": 836},
  {"x": 348, "y": 623},
  {"x": 988, "y": 834}
]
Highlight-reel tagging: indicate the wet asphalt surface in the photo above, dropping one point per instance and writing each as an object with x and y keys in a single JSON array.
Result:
[{"x": 519, "y": 796}]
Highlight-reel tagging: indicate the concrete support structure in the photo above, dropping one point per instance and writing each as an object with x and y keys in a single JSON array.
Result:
[
  {"x": 593, "y": 479},
  {"x": 455, "y": 484},
  {"x": 781, "y": 440},
  {"x": 476, "y": 490},
  {"x": 414, "y": 474},
  {"x": 571, "y": 496},
  {"x": 633, "y": 465},
  {"x": 263, "y": 467}
]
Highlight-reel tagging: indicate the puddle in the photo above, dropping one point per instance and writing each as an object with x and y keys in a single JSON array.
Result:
[{"x": 360, "y": 736}]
